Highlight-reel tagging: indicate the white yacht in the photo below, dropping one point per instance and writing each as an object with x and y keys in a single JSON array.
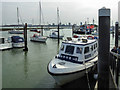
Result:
[
  {"x": 76, "y": 55},
  {"x": 38, "y": 38},
  {"x": 17, "y": 41},
  {"x": 55, "y": 36},
  {"x": 4, "y": 44},
  {"x": 16, "y": 32}
]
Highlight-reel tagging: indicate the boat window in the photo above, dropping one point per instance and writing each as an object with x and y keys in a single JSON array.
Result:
[
  {"x": 62, "y": 47},
  {"x": 86, "y": 50},
  {"x": 92, "y": 47},
  {"x": 69, "y": 49},
  {"x": 79, "y": 50},
  {"x": 2, "y": 40},
  {"x": 96, "y": 45}
]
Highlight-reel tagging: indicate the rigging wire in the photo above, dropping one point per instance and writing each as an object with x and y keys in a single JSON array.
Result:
[
  {"x": 21, "y": 19},
  {"x": 19, "y": 16},
  {"x": 42, "y": 18}
]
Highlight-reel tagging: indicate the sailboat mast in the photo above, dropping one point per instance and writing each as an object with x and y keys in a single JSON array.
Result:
[
  {"x": 58, "y": 23},
  {"x": 18, "y": 17},
  {"x": 40, "y": 19},
  {"x": 40, "y": 13}
]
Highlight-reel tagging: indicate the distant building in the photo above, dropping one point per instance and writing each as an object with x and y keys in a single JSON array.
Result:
[{"x": 119, "y": 12}]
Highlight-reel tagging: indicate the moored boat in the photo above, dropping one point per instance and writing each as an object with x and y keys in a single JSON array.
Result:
[
  {"x": 5, "y": 44},
  {"x": 17, "y": 41},
  {"x": 38, "y": 38},
  {"x": 75, "y": 57},
  {"x": 33, "y": 30},
  {"x": 15, "y": 32},
  {"x": 55, "y": 36}
]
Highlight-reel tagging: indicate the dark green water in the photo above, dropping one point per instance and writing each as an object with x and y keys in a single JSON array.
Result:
[{"x": 29, "y": 69}]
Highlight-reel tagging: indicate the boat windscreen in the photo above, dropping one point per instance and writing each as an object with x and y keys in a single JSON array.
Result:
[
  {"x": 79, "y": 50},
  {"x": 69, "y": 49}
]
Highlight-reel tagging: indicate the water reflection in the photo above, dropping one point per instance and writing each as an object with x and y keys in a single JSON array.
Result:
[{"x": 25, "y": 64}]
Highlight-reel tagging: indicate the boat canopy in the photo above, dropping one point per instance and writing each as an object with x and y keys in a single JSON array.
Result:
[{"x": 17, "y": 39}]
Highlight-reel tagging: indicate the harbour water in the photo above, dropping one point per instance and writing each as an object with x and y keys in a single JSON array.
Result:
[{"x": 29, "y": 69}]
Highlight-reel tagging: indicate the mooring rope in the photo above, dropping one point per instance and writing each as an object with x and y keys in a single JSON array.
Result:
[{"x": 87, "y": 77}]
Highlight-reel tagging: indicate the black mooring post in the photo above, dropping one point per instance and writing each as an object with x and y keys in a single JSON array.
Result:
[
  {"x": 116, "y": 34},
  {"x": 104, "y": 47},
  {"x": 117, "y": 72},
  {"x": 25, "y": 37},
  {"x": 116, "y": 44},
  {"x": 58, "y": 35},
  {"x": 41, "y": 30}
]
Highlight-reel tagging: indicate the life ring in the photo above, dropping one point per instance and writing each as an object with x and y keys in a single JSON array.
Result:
[
  {"x": 75, "y": 36},
  {"x": 90, "y": 37}
]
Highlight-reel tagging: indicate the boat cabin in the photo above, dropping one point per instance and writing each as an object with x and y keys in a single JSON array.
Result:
[
  {"x": 2, "y": 40},
  {"x": 78, "y": 51},
  {"x": 17, "y": 39}
]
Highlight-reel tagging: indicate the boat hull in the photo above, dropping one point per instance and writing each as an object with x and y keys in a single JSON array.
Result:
[
  {"x": 18, "y": 45},
  {"x": 34, "y": 39},
  {"x": 5, "y": 46},
  {"x": 15, "y": 32},
  {"x": 66, "y": 77},
  {"x": 56, "y": 37}
]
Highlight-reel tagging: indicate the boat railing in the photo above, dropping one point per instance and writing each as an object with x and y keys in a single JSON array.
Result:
[
  {"x": 115, "y": 54},
  {"x": 114, "y": 66}
]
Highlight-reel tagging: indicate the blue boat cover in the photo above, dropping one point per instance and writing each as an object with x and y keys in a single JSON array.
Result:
[{"x": 17, "y": 39}]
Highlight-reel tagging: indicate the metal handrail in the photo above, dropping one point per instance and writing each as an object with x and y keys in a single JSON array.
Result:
[{"x": 115, "y": 54}]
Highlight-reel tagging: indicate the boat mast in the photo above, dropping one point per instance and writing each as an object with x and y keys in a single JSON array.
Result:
[
  {"x": 18, "y": 17},
  {"x": 58, "y": 23},
  {"x": 40, "y": 14},
  {"x": 40, "y": 19}
]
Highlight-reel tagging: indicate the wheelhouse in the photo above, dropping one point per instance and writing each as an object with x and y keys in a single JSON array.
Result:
[{"x": 78, "y": 51}]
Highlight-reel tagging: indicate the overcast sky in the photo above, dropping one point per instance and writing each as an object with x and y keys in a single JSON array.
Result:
[{"x": 73, "y": 11}]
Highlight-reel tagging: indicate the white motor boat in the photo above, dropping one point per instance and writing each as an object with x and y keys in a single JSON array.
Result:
[
  {"x": 17, "y": 41},
  {"x": 55, "y": 36},
  {"x": 4, "y": 44},
  {"x": 75, "y": 57},
  {"x": 38, "y": 38},
  {"x": 16, "y": 32}
]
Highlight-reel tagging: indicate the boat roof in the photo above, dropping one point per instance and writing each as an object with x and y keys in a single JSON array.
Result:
[{"x": 79, "y": 41}]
